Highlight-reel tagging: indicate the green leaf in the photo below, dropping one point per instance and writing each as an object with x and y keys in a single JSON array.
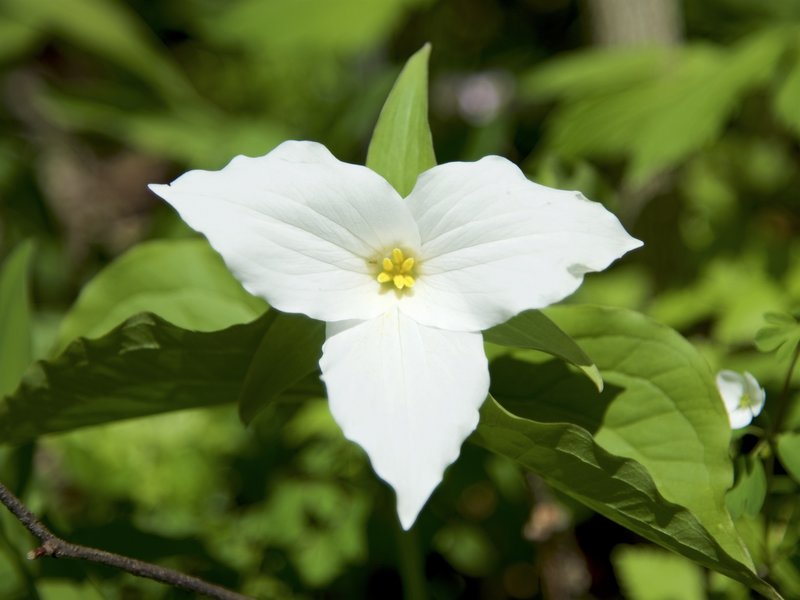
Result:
[
  {"x": 289, "y": 351},
  {"x": 660, "y": 408},
  {"x": 183, "y": 281},
  {"x": 656, "y": 117},
  {"x": 143, "y": 367},
  {"x": 533, "y": 330},
  {"x": 747, "y": 496},
  {"x": 781, "y": 334},
  {"x": 789, "y": 453},
  {"x": 16, "y": 351},
  {"x": 303, "y": 27},
  {"x": 111, "y": 30},
  {"x": 401, "y": 147},
  {"x": 787, "y": 99},
  {"x": 195, "y": 135},
  {"x": 568, "y": 458},
  {"x": 647, "y": 573}
]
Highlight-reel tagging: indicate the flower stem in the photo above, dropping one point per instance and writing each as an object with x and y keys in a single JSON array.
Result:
[
  {"x": 412, "y": 569},
  {"x": 773, "y": 430}
]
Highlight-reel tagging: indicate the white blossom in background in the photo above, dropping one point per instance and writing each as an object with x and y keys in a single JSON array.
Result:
[
  {"x": 404, "y": 285},
  {"x": 742, "y": 395}
]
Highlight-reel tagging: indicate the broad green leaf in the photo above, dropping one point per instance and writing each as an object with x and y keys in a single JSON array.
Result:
[
  {"x": 145, "y": 366},
  {"x": 569, "y": 459},
  {"x": 401, "y": 147},
  {"x": 789, "y": 453},
  {"x": 647, "y": 573},
  {"x": 660, "y": 407},
  {"x": 183, "y": 281},
  {"x": 15, "y": 317},
  {"x": 533, "y": 330},
  {"x": 747, "y": 496},
  {"x": 289, "y": 351}
]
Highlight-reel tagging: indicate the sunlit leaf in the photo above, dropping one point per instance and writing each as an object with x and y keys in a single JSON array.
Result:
[
  {"x": 183, "y": 281},
  {"x": 401, "y": 147},
  {"x": 660, "y": 408},
  {"x": 533, "y": 330},
  {"x": 569, "y": 459}
]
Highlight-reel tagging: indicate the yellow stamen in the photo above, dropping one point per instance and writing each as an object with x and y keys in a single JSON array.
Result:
[
  {"x": 407, "y": 265},
  {"x": 398, "y": 270}
]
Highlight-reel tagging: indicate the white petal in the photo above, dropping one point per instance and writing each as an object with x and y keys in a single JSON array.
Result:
[
  {"x": 740, "y": 417},
  {"x": 731, "y": 387},
  {"x": 495, "y": 244},
  {"x": 298, "y": 227},
  {"x": 755, "y": 392},
  {"x": 408, "y": 394}
]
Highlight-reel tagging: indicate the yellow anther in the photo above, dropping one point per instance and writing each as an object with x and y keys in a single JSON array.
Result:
[{"x": 398, "y": 270}]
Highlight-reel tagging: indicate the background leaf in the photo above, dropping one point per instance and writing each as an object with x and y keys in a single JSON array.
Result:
[
  {"x": 647, "y": 573},
  {"x": 401, "y": 146},
  {"x": 16, "y": 351},
  {"x": 747, "y": 496},
  {"x": 789, "y": 453},
  {"x": 183, "y": 281}
]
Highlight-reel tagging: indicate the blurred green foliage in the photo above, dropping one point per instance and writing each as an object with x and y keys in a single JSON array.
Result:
[{"x": 697, "y": 147}]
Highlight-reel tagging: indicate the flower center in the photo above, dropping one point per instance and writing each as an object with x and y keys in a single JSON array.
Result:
[
  {"x": 745, "y": 401},
  {"x": 398, "y": 270}
]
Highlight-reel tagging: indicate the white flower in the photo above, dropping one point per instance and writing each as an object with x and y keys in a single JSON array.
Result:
[
  {"x": 405, "y": 285},
  {"x": 742, "y": 395}
]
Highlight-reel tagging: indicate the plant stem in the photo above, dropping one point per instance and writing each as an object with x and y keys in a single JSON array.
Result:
[
  {"x": 54, "y": 546},
  {"x": 412, "y": 569},
  {"x": 774, "y": 428}
]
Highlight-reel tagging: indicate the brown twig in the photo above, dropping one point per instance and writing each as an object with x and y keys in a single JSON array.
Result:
[{"x": 52, "y": 545}]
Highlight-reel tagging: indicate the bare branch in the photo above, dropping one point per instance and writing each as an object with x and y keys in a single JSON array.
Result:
[{"x": 55, "y": 547}]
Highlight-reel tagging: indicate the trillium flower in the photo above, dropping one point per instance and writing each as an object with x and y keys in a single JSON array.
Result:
[
  {"x": 742, "y": 395},
  {"x": 404, "y": 285}
]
